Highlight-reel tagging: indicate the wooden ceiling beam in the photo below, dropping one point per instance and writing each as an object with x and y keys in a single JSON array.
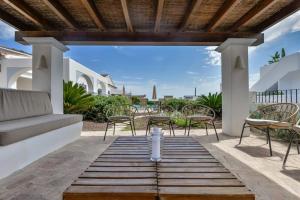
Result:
[
  {"x": 256, "y": 10},
  {"x": 278, "y": 16},
  {"x": 14, "y": 22},
  {"x": 189, "y": 14},
  {"x": 159, "y": 12},
  {"x": 61, "y": 12},
  {"x": 220, "y": 15},
  {"x": 22, "y": 8},
  {"x": 126, "y": 15},
  {"x": 94, "y": 13},
  {"x": 137, "y": 38}
]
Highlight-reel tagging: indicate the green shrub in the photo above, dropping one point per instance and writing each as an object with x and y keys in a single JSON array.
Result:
[
  {"x": 76, "y": 100},
  {"x": 135, "y": 100},
  {"x": 213, "y": 101},
  {"x": 97, "y": 112},
  {"x": 176, "y": 104}
]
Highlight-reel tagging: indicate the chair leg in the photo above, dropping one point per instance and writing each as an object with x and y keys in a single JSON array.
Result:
[
  {"x": 189, "y": 127},
  {"x": 114, "y": 129},
  {"x": 289, "y": 147},
  {"x": 269, "y": 139},
  {"x": 298, "y": 150},
  {"x": 131, "y": 128},
  {"x": 242, "y": 133},
  {"x": 206, "y": 128},
  {"x": 170, "y": 128},
  {"x": 147, "y": 128},
  {"x": 171, "y": 124},
  {"x": 213, "y": 123},
  {"x": 185, "y": 126},
  {"x": 133, "y": 124},
  {"x": 105, "y": 131}
]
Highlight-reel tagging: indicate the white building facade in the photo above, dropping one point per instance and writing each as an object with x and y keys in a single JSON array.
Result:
[
  {"x": 282, "y": 75},
  {"x": 16, "y": 73}
]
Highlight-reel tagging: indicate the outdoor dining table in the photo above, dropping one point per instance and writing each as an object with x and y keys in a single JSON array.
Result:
[{"x": 186, "y": 171}]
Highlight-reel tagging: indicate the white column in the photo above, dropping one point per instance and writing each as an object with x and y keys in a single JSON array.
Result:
[
  {"x": 235, "y": 84},
  {"x": 47, "y": 68}
]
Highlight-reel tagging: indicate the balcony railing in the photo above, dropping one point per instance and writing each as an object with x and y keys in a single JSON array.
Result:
[{"x": 278, "y": 96}]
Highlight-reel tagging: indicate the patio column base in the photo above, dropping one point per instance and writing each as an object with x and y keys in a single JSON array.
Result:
[
  {"x": 235, "y": 84},
  {"x": 47, "y": 68}
]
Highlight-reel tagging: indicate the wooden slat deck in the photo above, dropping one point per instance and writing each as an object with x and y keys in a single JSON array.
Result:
[
  {"x": 123, "y": 171},
  {"x": 187, "y": 171}
]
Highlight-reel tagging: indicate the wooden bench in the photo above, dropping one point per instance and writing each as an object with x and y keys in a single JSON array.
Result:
[{"x": 187, "y": 171}]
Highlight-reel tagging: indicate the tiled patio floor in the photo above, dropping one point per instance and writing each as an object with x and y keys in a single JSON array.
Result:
[{"x": 50, "y": 176}]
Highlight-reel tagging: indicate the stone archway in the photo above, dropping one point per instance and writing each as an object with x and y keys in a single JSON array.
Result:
[
  {"x": 21, "y": 79},
  {"x": 86, "y": 82},
  {"x": 101, "y": 88}
]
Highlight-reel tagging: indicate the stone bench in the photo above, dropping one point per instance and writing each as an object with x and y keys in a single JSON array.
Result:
[{"x": 30, "y": 130}]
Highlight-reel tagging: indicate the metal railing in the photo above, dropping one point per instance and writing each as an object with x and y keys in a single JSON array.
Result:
[{"x": 278, "y": 96}]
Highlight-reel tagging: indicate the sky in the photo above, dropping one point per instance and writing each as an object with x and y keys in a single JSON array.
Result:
[{"x": 174, "y": 70}]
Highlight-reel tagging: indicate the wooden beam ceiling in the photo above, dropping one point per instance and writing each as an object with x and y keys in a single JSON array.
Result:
[
  {"x": 220, "y": 15},
  {"x": 189, "y": 13},
  {"x": 256, "y": 10},
  {"x": 126, "y": 15},
  {"x": 14, "y": 22},
  {"x": 94, "y": 13},
  {"x": 28, "y": 13},
  {"x": 61, "y": 12},
  {"x": 137, "y": 38},
  {"x": 280, "y": 15},
  {"x": 159, "y": 11}
]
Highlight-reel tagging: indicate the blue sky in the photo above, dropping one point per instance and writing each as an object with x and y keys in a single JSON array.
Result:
[{"x": 174, "y": 70}]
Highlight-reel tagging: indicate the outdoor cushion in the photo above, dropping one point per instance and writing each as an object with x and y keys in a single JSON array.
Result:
[
  {"x": 267, "y": 123},
  {"x": 120, "y": 118},
  {"x": 18, "y": 104},
  {"x": 16, "y": 130},
  {"x": 199, "y": 117},
  {"x": 159, "y": 118}
]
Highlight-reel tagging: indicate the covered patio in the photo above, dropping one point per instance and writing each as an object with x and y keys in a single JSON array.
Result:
[
  {"x": 233, "y": 26},
  {"x": 48, "y": 178}
]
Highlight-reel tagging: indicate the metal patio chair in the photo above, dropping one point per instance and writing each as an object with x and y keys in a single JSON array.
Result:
[
  {"x": 197, "y": 114},
  {"x": 123, "y": 114},
  {"x": 275, "y": 116},
  {"x": 160, "y": 116},
  {"x": 294, "y": 136}
]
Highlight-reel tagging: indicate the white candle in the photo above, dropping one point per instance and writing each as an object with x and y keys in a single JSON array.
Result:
[{"x": 155, "y": 133}]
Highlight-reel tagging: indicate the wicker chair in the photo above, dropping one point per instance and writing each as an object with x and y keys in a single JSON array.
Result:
[
  {"x": 159, "y": 117},
  {"x": 276, "y": 116},
  {"x": 124, "y": 114},
  {"x": 294, "y": 135},
  {"x": 196, "y": 114}
]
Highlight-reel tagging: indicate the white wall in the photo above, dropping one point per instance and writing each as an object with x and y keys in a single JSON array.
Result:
[
  {"x": 277, "y": 71},
  {"x": 24, "y": 83},
  {"x": 76, "y": 70},
  {"x": 290, "y": 81}
]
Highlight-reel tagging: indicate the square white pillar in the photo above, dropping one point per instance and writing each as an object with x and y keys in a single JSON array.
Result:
[
  {"x": 47, "y": 68},
  {"x": 235, "y": 84}
]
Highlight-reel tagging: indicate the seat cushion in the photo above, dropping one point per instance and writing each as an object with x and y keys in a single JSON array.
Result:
[
  {"x": 19, "y": 104},
  {"x": 199, "y": 117},
  {"x": 120, "y": 118},
  {"x": 16, "y": 130},
  {"x": 267, "y": 123}
]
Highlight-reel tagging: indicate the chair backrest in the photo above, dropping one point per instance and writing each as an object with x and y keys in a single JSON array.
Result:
[
  {"x": 163, "y": 110},
  {"x": 198, "y": 109},
  {"x": 121, "y": 110},
  {"x": 18, "y": 104},
  {"x": 284, "y": 112}
]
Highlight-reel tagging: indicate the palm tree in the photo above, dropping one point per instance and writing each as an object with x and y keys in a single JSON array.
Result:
[
  {"x": 213, "y": 101},
  {"x": 276, "y": 57},
  {"x": 76, "y": 100}
]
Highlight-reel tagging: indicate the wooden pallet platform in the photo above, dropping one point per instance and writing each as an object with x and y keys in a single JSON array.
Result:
[{"x": 187, "y": 171}]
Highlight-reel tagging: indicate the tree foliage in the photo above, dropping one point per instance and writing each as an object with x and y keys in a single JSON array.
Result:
[
  {"x": 76, "y": 100},
  {"x": 277, "y": 56},
  {"x": 213, "y": 101}
]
